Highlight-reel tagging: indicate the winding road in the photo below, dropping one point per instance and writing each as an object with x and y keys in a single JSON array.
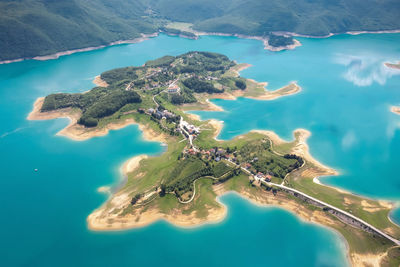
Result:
[
  {"x": 194, "y": 189},
  {"x": 397, "y": 242}
]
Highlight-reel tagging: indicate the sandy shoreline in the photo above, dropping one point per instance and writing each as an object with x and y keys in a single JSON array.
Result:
[
  {"x": 105, "y": 219},
  {"x": 99, "y": 221},
  {"x": 68, "y": 113},
  {"x": 73, "y": 51},
  {"x": 281, "y": 202},
  {"x": 99, "y": 82},
  {"x": 213, "y": 107},
  {"x": 253, "y": 37},
  {"x": 218, "y": 215},
  {"x": 395, "y": 109},
  {"x": 181, "y": 35},
  {"x": 217, "y": 125},
  {"x": 313, "y": 217},
  {"x": 295, "y": 44},
  {"x": 276, "y": 139},
  {"x": 153, "y": 216},
  {"x": 100, "y": 218},
  {"x": 302, "y": 150},
  {"x": 132, "y": 164},
  {"x": 95, "y": 220},
  {"x": 291, "y": 89},
  {"x": 240, "y": 67},
  {"x": 333, "y": 34},
  {"x": 146, "y": 36},
  {"x": 73, "y": 130}
]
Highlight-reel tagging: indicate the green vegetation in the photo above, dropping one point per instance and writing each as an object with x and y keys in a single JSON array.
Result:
[
  {"x": 392, "y": 259},
  {"x": 240, "y": 84},
  {"x": 258, "y": 17},
  {"x": 143, "y": 93},
  {"x": 199, "y": 86},
  {"x": 279, "y": 40},
  {"x": 356, "y": 205},
  {"x": 184, "y": 174},
  {"x": 221, "y": 168},
  {"x": 219, "y": 164},
  {"x": 31, "y": 28},
  {"x": 264, "y": 160},
  {"x": 160, "y": 62},
  {"x": 180, "y": 181},
  {"x": 133, "y": 88},
  {"x": 173, "y": 31},
  {"x": 96, "y": 104},
  {"x": 120, "y": 75}
]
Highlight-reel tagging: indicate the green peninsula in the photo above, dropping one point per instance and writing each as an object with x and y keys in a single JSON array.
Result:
[{"x": 182, "y": 185}]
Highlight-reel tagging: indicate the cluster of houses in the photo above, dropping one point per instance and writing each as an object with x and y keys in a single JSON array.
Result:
[
  {"x": 148, "y": 82},
  {"x": 173, "y": 88},
  {"x": 216, "y": 154},
  {"x": 261, "y": 176},
  {"x": 160, "y": 114},
  {"x": 189, "y": 128}
]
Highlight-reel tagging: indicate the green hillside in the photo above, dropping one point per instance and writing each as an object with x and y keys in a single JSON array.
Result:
[
  {"x": 30, "y": 28},
  {"x": 40, "y": 27},
  {"x": 310, "y": 17}
]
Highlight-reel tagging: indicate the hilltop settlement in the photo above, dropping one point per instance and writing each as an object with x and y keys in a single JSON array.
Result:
[{"x": 182, "y": 184}]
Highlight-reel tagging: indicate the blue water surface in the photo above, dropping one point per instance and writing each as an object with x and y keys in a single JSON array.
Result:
[{"x": 344, "y": 103}]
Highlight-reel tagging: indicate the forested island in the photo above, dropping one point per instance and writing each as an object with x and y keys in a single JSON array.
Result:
[
  {"x": 276, "y": 42},
  {"x": 182, "y": 184},
  {"x": 279, "y": 40},
  {"x": 31, "y": 28}
]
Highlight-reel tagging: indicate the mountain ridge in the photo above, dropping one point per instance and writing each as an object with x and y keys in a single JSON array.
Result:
[{"x": 30, "y": 28}]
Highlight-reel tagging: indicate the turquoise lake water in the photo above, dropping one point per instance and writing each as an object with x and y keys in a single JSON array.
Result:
[{"x": 344, "y": 103}]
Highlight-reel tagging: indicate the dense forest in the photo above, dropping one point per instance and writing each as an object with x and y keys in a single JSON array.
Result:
[
  {"x": 308, "y": 17},
  {"x": 95, "y": 104},
  {"x": 278, "y": 40},
  {"x": 31, "y": 28},
  {"x": 172, "y": 31},
  {"x": 199, "y": 86}
]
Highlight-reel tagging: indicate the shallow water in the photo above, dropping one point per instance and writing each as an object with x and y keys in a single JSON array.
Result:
[{"x": 345, "y": 100}]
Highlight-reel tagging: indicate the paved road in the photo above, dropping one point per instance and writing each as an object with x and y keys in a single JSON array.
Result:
[{"x": 397, "y": 242}]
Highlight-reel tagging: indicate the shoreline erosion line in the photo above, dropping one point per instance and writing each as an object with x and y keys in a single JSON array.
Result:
[
  {"x": 84, "y": 49},
  {"x": 155, "y": 34},
  {"x": 216, "y": 215},
  {"x": 395, "y": 110},
  {"x": 183, "y": 221}
]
